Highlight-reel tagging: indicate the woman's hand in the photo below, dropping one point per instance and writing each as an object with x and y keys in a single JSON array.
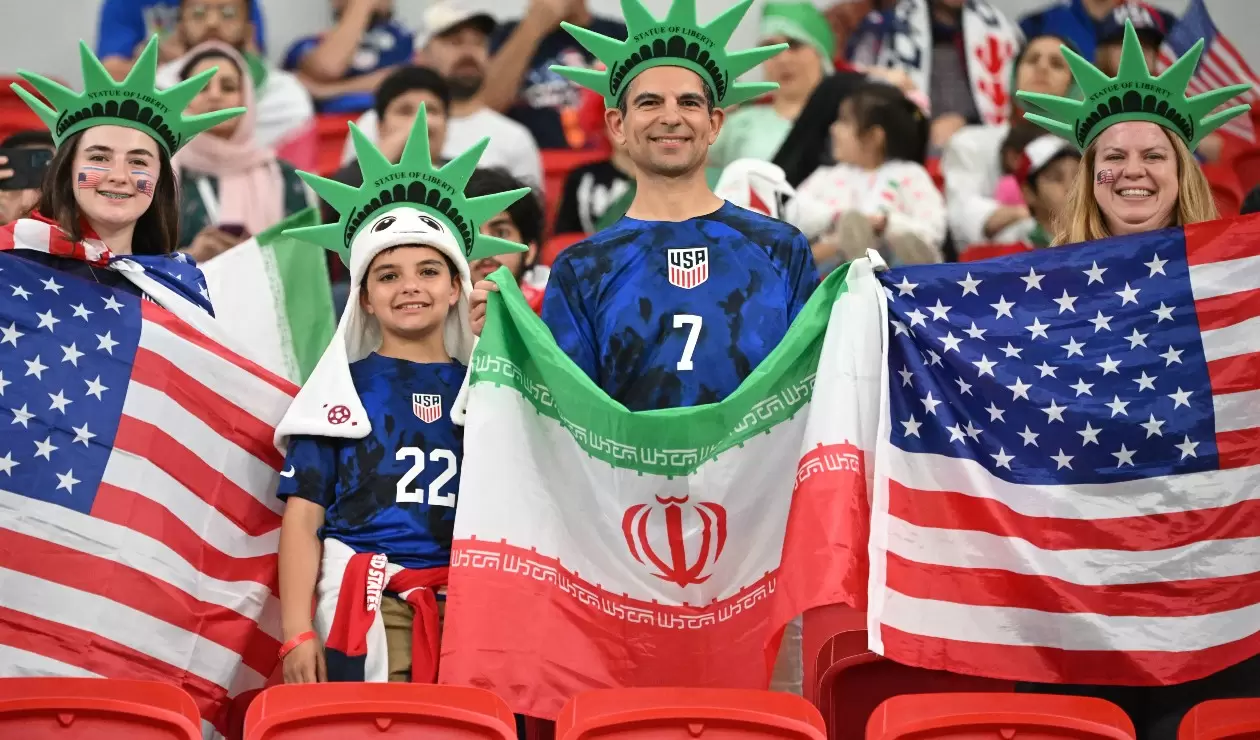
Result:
[
  {"x": 305, "y": 663},
  {"x": 210, "y": 243},
  {"x": 477, "y": 304}
]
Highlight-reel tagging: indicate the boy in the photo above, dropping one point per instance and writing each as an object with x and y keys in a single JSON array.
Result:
[
  {"x": 522, "y": 223},
  {"x": 372, "y": 470}
]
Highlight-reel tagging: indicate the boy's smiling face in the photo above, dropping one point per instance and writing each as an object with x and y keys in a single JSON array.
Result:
[{"x": 410, "y": 290}]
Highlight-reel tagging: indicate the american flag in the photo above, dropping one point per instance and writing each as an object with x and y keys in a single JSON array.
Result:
[
  {"x": 138, "y": 522},
  {"x": 1220, "y": 66},
  {"x": 1067, "y": 486}
]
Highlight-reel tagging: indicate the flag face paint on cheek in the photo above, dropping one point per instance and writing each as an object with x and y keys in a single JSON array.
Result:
[
  {"x": 1105, "y": 176},
  {"x": 90, "y": 176},
  {"x": 144, "y": 182}
]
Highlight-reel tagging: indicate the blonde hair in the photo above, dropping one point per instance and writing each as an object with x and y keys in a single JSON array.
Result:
[{"x": 1082, "y": 220}]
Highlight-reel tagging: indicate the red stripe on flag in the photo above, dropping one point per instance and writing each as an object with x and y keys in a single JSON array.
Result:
[
  {"x": 1239, "y": 448},
  {"x": 1221, "y": 311},
  {"x": 957, "y": 511},
  {"x": 140, "y": 591},
  {"x": 203, "y": 480},
  {"x": 1235, "y": 374},
  {"x": 1024, "y": 663},
  {"x": 169, "y": 321},
  {"x": 108, "y": 658},
  {"x": 1001, "y": 588},
  {"x": 1220, "y": 240},
  {"x": 233, "y": 424},
  {"x": 127, "y": 509}
]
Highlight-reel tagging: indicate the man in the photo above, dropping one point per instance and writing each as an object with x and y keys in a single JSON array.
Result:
[
  {"x": 285, "y": 113},
  {"x": 343, "y": 66},
  {"x": 1084, "y": 22},
  {"x": 15, "y": 204},
  {"x": 1151, "y": 24},
  {"x": 125, "y": 26},
  {"x": 521, "y": 223},
  {"x": 520, "y": 80},
  {"x": 458, "y": 48}
]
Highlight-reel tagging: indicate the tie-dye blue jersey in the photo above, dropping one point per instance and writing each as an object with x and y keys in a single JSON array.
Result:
[
  {"x": 664, "y": 314},
  {"x": 394, "y": 490}
]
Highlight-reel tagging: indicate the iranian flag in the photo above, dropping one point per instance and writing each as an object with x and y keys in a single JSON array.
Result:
[
  {"x": 598, "y": 548},
  {"x": 273, "y": 295}
]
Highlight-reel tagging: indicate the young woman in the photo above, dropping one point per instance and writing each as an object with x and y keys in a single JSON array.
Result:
[
  {"x": 232, "y": 187},
  {"x": 110, "y": 196}
]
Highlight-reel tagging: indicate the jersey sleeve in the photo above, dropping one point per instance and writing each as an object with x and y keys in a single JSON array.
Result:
[
  {"x": 802, "y": 275},
  {"x": 298, "y": 51},
  {"x": 310, "y": 471},
  {"x": 119, "y": 29},
  {"x": 566, "y": 317}
]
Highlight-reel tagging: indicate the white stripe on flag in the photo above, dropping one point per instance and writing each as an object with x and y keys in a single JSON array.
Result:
[
  {"x": 1212, "y": 279},
  {"x": 102, "y": 539},
  {"x": 18, "y": 662},
  {"x": 244, "y": 285},
  {"x": 254, "y": 476},
  {"x": 989, "y": 625},
  {"x": 1231, "y": 341},
  {"x": 1236, "y": 411},
  {"x": 1088, "y": 502},
  {"x": 122, "y": 624},
  {"x": 970, "y": 549}
]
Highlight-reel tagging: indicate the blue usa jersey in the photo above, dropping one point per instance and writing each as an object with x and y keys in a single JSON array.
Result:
[
  {"x": 393, "y": 491},
  {"x": 665, "y": 314}
]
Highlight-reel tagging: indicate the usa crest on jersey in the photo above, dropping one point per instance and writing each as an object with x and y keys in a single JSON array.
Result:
[
  {"x": 688, "y": 267},
  {"x": 427, "y": 406}
]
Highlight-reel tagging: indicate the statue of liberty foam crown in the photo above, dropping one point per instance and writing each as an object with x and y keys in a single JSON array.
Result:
[
  {"x": 411, "y": 203},
  {"x": 677, "y": 40},
  {"x": 1134, "y": 95},
  {"x": 135, "y": 102}
]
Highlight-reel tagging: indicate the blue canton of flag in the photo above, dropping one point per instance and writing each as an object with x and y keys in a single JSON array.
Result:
[
  {"x": 66, "y": 349},
  {"x": 1080, "y": 365}
]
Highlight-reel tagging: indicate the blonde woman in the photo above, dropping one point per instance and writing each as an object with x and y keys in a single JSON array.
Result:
[{"x": 1137, "y": 132}]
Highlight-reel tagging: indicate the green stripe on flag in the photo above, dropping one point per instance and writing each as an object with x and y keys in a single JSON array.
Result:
[
  {"x": 516, "y": 349},
  {"x": 303, "y": 290}
]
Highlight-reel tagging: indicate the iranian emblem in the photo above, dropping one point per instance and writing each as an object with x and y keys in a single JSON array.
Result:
[
  {"x": 657, "y": 537},
  {"x": 688, "y": 267},
  {"x": 427, "y": 406}
]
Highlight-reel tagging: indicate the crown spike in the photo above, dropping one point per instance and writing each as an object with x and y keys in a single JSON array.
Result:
[
  {"x": 327, "y": 236},
  {"x": 1132, "y": 59},
  {"x": 370, "y": 158},
  {"x": 591, "y": 79},
  {"x": 46, "y": 114},
  {"x": 597, "y": 44},
  {"x": 95, "y": 76},
  {"x": 178, "y": 96},
  {"x": 1177, "y": 76},
  {"x": 1087, "y": 76},
  {"x": 416, "y": 151},
  {"x": 742, "y": 61},
  {"x": 721, "y": 28},
  {"x": 1053, "y": 126},
  {"x": 1214, "y": 121},
  {"x": 460, "y": 169},
  {"x": 742, "y": 92},
  {"x": 682, "y": 13},
  {"x": 635, "y": 14}
]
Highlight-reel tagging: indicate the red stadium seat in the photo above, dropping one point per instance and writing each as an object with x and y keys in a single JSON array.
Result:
[
  {"x": 1226, "y": 189},
  {"x": 73, "y": 708},
  {"x": 331, "y": 132},
  {"x": 988, "y": 251},
  {"x": 1028, "y": 716},
  {"x": 556, "y": 244},
  {"x": 711, "y": 714},
  {"x": 557, "y": 164},
  {"x": 1222, "y": 719},
  {"x": 15, "y": 115},
  {"x": 1247, "y": 167},
  {"x": 933, "y": 166},
  {"x": 346, "y": 711},
  {"x": 851, "y": 689},
  {"x": 818, "y": 628}
]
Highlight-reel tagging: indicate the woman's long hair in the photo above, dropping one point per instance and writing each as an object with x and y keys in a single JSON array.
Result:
[
  {"x": 806, "y": 146},
  {"x": 1082, "y": 220},
  {"x": 157, "y": 229}
]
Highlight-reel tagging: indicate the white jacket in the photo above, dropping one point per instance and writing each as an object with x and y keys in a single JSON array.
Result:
[{"x": 972, "y": 165}]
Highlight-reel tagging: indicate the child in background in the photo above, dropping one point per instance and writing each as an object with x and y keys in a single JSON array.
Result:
[
  {"x": 1008, "y": 191},
  {"x": 878, "y": 195}
]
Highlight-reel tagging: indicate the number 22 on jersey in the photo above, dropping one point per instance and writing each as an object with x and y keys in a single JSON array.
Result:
[{"x": 435, "y": 497}]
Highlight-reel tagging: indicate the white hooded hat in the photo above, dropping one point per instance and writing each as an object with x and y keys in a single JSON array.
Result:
[{"x": 409, "y": 203}]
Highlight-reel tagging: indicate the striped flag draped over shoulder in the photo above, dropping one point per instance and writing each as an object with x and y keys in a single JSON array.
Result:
[
  {"x": 138, "y": 521},
  {"x": 596, "y": 547},
  {"x": 1066, "y": 481}
]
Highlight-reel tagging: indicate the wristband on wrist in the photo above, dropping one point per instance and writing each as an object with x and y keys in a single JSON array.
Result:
[{"x": 291, "y": 645}]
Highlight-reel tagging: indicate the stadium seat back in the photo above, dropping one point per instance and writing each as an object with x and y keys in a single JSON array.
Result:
[
  {"x": 818, "y": 627},
  {"x": 1222, "y": 719},
  {"x": 557, "y": 244},
  {"x": 976, "y": 716},
  {"x": 688, "y": 714},
  {"x": 851, "y": 689},
  {"x": 1247, "y": 167},
  {"x": 15, "y": 115},
  {"x": 1226, "y": 189},
  {"x": 347, "y": 711},
  {"x": 557, "y": 164},
  {"x": 74, "y": 708},
  {"x": 331, "y": 130}
]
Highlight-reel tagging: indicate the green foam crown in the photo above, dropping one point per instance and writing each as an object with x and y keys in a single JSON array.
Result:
[
  {"x": 675, "y": 41},
  {"x": 135, "y": 102},
  {"x": 413, "y": 183},
  {"x": 1134, "y": 95}
]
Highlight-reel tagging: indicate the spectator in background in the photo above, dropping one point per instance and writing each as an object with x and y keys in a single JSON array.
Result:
[
  {"x": 960, "y": 52},
  {"x": 15, "y": 204},
  {"x": 1085, "y": 23},
  {"x": 458, "y": 48},
  {"x": 343, "y": 66},
  {"x": 1151, "y": 24},
  {"x": 591, "y": 190},
  {"x": 1251, "y": 204},
  {"x": 972, "y": 162},
  {"x": 757, "y": 131},
  {"x": 125, "y": 26},
  {"x": 1045, "y": 173},
  {"x": 283, "y": 113},
  {"x": 520, "y": 81},
  {"x": 522, "y": 223},
  {"x": 231, "y": 187},
  {"x": 1008, "y": 191}
]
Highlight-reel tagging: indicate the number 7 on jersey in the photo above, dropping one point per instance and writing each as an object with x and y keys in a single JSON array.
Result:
[{"x": 693, "y": 334}]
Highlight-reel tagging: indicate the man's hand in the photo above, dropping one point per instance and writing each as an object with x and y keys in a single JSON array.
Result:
[
  {"x": 305, "y": 663},
  {"x": 477, "y": 304},
  {"x": 944, "y": 127},
  {"x": 170, "y": 48},
  {"x": 550, "y": 12}
]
